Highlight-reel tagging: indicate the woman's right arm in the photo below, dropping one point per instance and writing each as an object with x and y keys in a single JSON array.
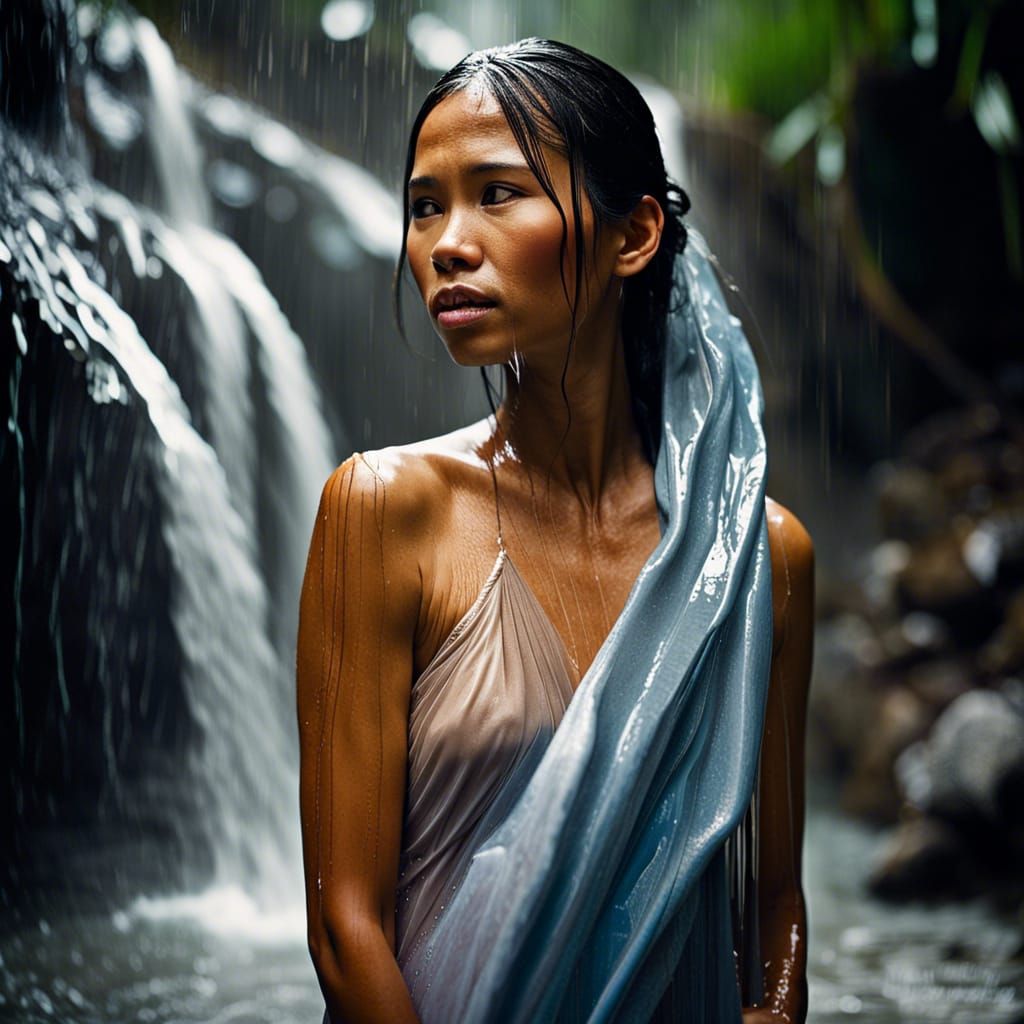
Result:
[{"x": 357, "y": 621}]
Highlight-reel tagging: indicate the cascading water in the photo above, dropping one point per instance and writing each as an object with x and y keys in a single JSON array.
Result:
[
  {"x": 233, "y": 303},
  {"x": 235, "y": 509}
]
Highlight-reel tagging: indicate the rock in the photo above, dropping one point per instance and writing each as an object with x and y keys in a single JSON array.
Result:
[
  {"x": 927, "y": 633},
  {"x": 993, "y": 551},
  {"x": 931, "y": 443},
  {"x": 842, "y": 703},
  {"x": 887, "y": 561},
  {"x": 940, "y": 681},
  {"x": 973, "y": 761},
  {"x": 937, "y": 578},
  {"x": 924, "y": 858},
  {"x": 910, "y": 502},
  {"x": 1004, "y": 652},
  {"x": 900, "y": 719},
  {"x": 964, "y": 475}
]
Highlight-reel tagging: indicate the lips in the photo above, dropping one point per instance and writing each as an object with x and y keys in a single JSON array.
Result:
[
  {"x": 462, "y": 315},
  {"x": 457, "y": 304}
]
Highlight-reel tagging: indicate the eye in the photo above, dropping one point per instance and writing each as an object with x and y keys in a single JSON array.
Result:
[
  {"x": 498, "y": 194},
  {"x": 423, "y": 208}
]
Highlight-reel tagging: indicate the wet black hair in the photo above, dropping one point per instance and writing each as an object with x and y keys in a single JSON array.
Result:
[{"x": 556, "y": 95}]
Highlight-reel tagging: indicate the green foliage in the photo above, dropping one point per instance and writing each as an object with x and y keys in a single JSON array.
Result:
[{"x": 770, "y": 57}]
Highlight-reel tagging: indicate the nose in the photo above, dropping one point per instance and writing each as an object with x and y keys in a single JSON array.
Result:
[{"x": 455, "y": 248}]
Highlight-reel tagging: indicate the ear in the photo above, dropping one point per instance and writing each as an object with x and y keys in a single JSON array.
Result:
[{"x": 642, "y": 234}]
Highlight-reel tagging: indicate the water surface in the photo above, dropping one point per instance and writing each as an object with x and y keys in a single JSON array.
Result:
[{"x": 214, "y": 960}]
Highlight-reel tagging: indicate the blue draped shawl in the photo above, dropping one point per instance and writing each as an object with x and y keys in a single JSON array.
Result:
[{"x": 605, "y": 876}]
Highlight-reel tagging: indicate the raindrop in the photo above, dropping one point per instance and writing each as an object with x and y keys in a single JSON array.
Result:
[
  {"x": 346, "y": 19},
  {"x": 278, "y": 144},
  {"x": 225, "y": 116},
  {"x": 42, "y": 1001},
  {"x": 44, "y": 204},
  {"x": 280, "y": 203},
  {"x": 436, "y": 45},
  {"x": 114, "y": 46},
  {"x": 993, "y": 114},
  {"x": 850, "y": 1004},
  {"x": 333, "y": 244},
  {"x": 118, "y": 123},
  {"x": 36, "y": 232},
  {"x": 831, "y": 154},
  {"x": 19, "y": 334},
  {"x": 231, "y": 183},
  {"x": 924, "y": 46}
]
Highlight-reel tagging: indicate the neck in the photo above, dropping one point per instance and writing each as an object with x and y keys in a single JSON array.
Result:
[{"x": 582, "y": 454}]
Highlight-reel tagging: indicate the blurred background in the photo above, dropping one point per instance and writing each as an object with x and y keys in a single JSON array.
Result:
[{"x": 198, "y": 228}]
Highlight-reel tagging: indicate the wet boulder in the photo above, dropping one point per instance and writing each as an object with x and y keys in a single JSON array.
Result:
[
  {"x": 901, "y": 717},
  {"x": 1004, "y": 652},
  {"x": 923, "y": 859},
  {"x": 971, "y": 767},
  {"x": 938, "y": 579},
  {"x": 911, "y": 504}
]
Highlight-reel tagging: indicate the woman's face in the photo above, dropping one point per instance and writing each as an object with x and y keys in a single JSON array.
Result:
[{"x": 483, "y": 241}]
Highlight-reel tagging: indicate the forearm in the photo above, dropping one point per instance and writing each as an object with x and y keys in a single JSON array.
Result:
[
  {"x": 361, "y": 981},
  {"x": 784, "y": 955}
]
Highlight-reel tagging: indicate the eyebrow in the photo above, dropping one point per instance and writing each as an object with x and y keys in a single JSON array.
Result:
[{"x": 426, "y": 181}]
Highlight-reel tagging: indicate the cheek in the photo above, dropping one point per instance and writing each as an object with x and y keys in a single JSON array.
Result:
[
  {"x": 534, "y": 249},
  {"x": 417, "y": 256}
]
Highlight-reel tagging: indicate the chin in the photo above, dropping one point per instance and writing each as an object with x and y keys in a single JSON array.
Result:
[{"x": 477, "y": 352}]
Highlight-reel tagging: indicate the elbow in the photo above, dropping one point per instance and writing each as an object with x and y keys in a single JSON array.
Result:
[
  {"x": 335, "y": 945},
  {"x": 325, "y": 954},
  {"x": 347, "y": 956},
  {"x": 320, "y": 946}
]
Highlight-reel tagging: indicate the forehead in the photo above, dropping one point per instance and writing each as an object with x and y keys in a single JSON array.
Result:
[{"x": 468, "y": 125}]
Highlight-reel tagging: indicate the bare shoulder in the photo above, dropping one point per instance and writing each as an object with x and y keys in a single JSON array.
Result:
[
  {"x": 792, "y": 557},
  {"x": 399, "y": 486},
  {"x": 408, "y": 488},
  {"x": 366, "y": 555},
  {"x": 788, "y": 539}
]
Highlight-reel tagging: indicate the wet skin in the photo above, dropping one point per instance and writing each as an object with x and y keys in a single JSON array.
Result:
[{"x": 405, "y": 537}]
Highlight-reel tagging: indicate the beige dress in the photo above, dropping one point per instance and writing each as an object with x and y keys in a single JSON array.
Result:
[{"x": 481, "y": 714}]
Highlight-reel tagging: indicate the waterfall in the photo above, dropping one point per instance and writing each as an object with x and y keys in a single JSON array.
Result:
[
  {"x": 168, "y": 127},
  {"x": 295, "y": 427},
  {"x": 236, "y": 505},
  {"x": 245, "y": 765},
  {"x": 233, "y": 307},
  {"x": 232, "y": 301}
]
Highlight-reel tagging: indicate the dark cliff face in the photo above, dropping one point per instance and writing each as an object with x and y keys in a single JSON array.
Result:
[
  {"x": 97, "y": 724},
  {"x": 37, "y": 39}
]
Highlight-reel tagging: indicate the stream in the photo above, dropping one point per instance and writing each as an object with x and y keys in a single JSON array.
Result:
[{"x": 212, "y": 959}]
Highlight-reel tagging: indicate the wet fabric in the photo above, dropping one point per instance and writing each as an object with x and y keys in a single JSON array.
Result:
[
  {"x": 488, "y": 702},
  {"x": 594, "y": 886}
]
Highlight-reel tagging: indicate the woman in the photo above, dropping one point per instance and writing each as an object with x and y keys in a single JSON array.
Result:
[{"x": 539, "y": 657}]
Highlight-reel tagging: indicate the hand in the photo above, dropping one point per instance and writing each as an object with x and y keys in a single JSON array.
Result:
[{"x": 762, "y": 1015}]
